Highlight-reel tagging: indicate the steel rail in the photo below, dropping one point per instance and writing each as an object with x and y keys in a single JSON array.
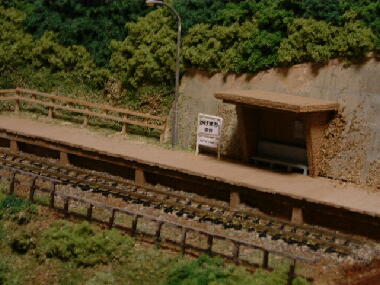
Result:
[
  {"x": 204, "y": 215},
  {"x": 137, "y": 215}
]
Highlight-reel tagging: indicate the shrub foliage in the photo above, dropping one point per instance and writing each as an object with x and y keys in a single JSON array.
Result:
[
  {"x": 18, "y": 210},
  {"x": 207, "y": 270},
  {"x": 84, "y": 246},
  {"x": 93, "y": 43}
]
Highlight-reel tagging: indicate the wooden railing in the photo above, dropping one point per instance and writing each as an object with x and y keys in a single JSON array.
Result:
[
  {"x": 110, "y": 220},
  {"x": 53, "y": 102}
]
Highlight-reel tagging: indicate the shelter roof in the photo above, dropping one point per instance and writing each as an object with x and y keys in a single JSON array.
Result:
[{"x": 277, "y": 101}]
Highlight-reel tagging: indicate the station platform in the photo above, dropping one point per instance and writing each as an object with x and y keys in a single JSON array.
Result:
[{"x": 317, "y": 190}]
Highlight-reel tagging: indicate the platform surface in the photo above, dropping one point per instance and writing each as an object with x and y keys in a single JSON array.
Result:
[{"x": 319, "y": 190}]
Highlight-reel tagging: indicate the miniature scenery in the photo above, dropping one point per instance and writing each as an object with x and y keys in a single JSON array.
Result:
[{"x": 190, "y": 142}]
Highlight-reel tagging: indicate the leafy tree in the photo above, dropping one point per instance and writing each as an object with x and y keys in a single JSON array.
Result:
[
  {"x": 367, "y": 11},
  {"x": 92, "y": 24},
  {"x": 273, "y": 15},
  {"x": 234, "y": 13},
  {"x": 326, "y": 10},
  {"x": 216, "y": 48},
  {"x": 15, "y": 44},
  {"x": 147, "y": 55},
  {"x": 74, "y": 60},
  {"x": 194, "y": 12},
  {"x": 260, "y": 52},
  {"x": 318, "y": 41},
  {"x": 18, "y": 50}
]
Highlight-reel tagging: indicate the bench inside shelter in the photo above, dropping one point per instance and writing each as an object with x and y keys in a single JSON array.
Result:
[{"x": 272, "y": 153}]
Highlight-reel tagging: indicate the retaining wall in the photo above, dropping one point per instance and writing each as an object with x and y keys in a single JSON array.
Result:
[{"x": 352, "y": 141}]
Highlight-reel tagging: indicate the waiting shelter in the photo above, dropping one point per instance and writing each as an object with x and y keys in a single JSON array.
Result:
[{"x": 281, "y": 128}]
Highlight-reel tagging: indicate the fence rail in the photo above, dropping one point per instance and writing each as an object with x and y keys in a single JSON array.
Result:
[
  {"x": 55, "y": 102},
  {"x": 89, "y": 206}
]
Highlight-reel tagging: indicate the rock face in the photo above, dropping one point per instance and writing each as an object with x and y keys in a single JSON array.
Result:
[{"x": 351, "y": 150}]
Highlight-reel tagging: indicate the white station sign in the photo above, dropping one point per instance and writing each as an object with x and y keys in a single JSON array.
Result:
[{"x": 209, "y": 131}]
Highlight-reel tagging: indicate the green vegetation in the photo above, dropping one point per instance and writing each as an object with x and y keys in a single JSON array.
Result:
[
  {"x": 207, "y": 270},
  {"x": 92, "y": 24},
  {"x": 46, "y": 251},
  {"x": 18, "y": 210},
  {"x": 82, "y": 245},
  {"x": 318, "y": 41},
  {"x": 123, "y": 52}
]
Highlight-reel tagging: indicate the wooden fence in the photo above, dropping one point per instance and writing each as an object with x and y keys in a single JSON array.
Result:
[
  {"x": 90, "y": 205},
  {"x": 53, "y": 102}
]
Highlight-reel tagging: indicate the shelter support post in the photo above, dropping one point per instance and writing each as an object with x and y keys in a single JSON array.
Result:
[
  {"x": 315, "y": 127},
  {"x": 247, "y": 130}
]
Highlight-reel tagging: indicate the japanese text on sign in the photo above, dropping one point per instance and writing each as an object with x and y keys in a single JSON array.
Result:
[
  {"x": 209, "y": 125},
  {"x": 209, "y": 131}
]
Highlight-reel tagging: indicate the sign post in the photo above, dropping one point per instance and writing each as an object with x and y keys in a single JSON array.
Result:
[{"x": 209, "y": 132}]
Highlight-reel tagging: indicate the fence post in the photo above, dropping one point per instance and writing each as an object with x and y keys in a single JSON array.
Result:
[
  {"x": 235, "y": 253},
  {"x": 265, "y": 259},
  {"x": 52, "y": 196},
  {"x": 162, "y": 137},
  {"x": 50, "y": 112},
  {"x": 32, "y": 189},
  {"x": 163, "y": 133},
  {"x": 66, "y": 206},
  {"x": 124, "y": 129},
  {"x": 85, "y": 121},
  {"x": 12, "y": 184},
  {"x": 112, "y": 219},
  {"x": 183, "y": 240},
  {"x": 17, "y": 101},
  {"x": 291, "y": 273},
  {"x": 134, "y": 225},
  {"x": 210, "y": 240},
  {"x": 158, "y": 233},
  {"x": 89, "y": 212}
]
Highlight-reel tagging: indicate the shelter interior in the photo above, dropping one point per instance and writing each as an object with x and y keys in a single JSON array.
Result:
[{"x": 280, "y": 129}]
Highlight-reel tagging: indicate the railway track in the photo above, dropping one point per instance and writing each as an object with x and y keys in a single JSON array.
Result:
[{"x": 181, "y": 205}]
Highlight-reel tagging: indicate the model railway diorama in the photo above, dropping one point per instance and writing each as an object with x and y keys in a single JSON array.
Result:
[
  {"x": 46, "y": 173},
  {"x": 208, "y": 142}
]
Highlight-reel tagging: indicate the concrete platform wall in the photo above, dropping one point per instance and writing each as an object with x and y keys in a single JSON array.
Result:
[{"x": 352, "y": 143}]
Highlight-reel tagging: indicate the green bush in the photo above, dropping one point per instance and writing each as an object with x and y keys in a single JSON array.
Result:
[
  {"x": 260, "y": 52},
  {"x": 19, "y": 51},
  {"x": 91, "y": 24},
  {"x": 204, "y": 270},
  {"x": 23, "y": 242},
  {"x": 4, "y": 270},
  {"x": 367, "y": 11},
  {"x": 241, "y": 36},
  {"x": 318, "y": 41},
  {"x": 217, "y": 48},
  {"x": 147, "y": 55},
  {"x": 145, "y": 63},
  {"x": 15, "y": 44},
  {"x": 74, "y": 61},
  {"x": 207, "y": 270},
  {"x": 195, "y": 12},
  {"x": 82, "y": 245},
  {"x": 18, "y": 210}
]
